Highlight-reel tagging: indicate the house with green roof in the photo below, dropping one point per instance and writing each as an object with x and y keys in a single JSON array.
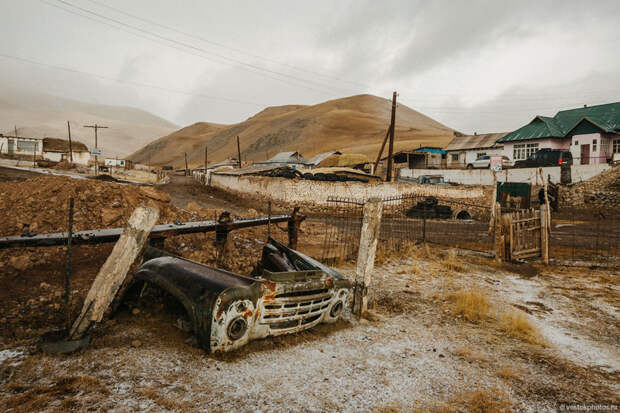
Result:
[{"x": 591, "y": 133}]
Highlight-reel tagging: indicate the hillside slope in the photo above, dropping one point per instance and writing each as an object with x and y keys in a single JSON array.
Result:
[
  {"x": 353, "y": 124},
  {"x": 40, "y": 115}
]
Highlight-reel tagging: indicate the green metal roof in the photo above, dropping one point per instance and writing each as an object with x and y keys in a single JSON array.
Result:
[{"x": 605, "y": 118}]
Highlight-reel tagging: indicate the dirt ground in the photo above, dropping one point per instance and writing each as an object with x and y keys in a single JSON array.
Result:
[{"x": 448, "y": 332}]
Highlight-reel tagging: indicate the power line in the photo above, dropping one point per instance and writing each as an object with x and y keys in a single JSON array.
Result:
[
  {"x": 244, "y": 65},
  {"x": 211, "y": 42},
  {"x": 129, "y": 82}
]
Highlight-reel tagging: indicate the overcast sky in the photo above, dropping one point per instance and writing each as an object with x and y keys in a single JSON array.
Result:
[{"x": 482, "y": 66}]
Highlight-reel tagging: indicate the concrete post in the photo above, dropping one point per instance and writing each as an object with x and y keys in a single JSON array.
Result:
[{"x": 371, "y": 224}]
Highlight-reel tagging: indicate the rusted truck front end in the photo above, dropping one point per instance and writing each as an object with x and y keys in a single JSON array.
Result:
[{"x": 287, "y": 292}]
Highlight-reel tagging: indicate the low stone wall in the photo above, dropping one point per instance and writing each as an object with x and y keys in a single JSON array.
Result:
[
  {"x": 301, "y": 192},
  {"x": 485, "y": 176},
  {"x": 602, "y": 191}
]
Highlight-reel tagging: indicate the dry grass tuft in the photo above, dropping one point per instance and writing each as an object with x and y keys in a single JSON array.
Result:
[
  {"x": 487, "y": 401},
  {"x": 471, "y": 355},
  {"x": 153, "y": 394},
  {"x": 517, "y": 324},
  {"x": 508, "y": 373},
  {"x": 470, "y": 304},
  {"x": 453, "y": 263}
]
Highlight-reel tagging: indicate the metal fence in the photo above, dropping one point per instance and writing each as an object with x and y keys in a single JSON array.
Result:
[
  {"x": 406, "y": 220},
  {"x": 590, "y": 236}
]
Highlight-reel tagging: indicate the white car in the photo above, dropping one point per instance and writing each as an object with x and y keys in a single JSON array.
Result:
[{"x": 485, "y": 161}]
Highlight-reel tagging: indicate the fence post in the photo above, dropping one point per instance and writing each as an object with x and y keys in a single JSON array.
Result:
[
  {"x": 500, "y": 246},
  {"x": 293, "y": 229},
  {"x": 544, "y": 234},
  {"x": 424, "y": 226},
  {"x": 371, "y": 224}
]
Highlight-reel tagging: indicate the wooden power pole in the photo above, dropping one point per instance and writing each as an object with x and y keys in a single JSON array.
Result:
[
  {"x": 95, "y": 127},
  {"x": 239, "y": 151},
  {"x": 70, "y": 145},
  {"x": 186, "y": 167},
  {"x": 390, "y": 164},
  {"x": 206, "y": 158}
]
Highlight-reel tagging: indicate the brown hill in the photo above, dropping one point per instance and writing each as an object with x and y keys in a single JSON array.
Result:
[{"x": 355, "y": 124}]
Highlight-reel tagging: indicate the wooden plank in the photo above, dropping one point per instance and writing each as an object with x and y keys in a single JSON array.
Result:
[
  {"x": 544, "y": 234},
  {"x": 113, "y": 272}
]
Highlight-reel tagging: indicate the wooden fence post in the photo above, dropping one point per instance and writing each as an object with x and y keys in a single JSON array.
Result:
[
  {"x": 544, "y": 234},
  {"x": 371, "y": 225},
  {"x": 113, "y": 272},
  {"x": 499, "y": 241}
]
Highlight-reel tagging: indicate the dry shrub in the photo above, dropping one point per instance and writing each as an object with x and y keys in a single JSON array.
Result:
[
  {"x": 487, "y": 401},
  {"x": 471, "y": 355},
  {"x": 153, "y": 394},
  {"x": 508, "y": 373},
  {"x": 517, "y": 324},
  {"x": 470, "y": 304},
  {"x": 452, "y": 262}
]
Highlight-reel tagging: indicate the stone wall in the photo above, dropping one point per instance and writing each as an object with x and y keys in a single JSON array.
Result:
[
  {"x": 602, "y": 191},
  {"x": 314, "y": 194}
]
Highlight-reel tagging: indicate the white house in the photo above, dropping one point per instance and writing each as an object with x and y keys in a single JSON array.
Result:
[
  {"x": 20, "y": 145},
  {"x": 463, "y": 150}
]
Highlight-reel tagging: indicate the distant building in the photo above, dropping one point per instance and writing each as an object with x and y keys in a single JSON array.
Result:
[
  {"x": 50, "y": 149},
  {"x": 425, "y": 157},
  {"x": 20, "y": 145},
  {"x": 591, "y": 133},
  {"x": 463, "y": 150},
  {"x": 291, "y": 159},
  {"x": 118, "y": 163},
  {"x": 57, "y": 150}
]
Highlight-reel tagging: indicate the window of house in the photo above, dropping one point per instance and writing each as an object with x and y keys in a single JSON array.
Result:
[
  {"x": 594, "y": 145},
  {"x": 616, "y": 147},
  {"x": 480, "y": 155},
  {"x": 455, "y": 157},
  {"x": 576, "y": 143},
  {"x": 524, "y": 150},
  {"x": 27, "y": 146}
]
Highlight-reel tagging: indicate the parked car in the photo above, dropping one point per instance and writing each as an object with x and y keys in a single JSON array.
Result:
[
  {"x": 286, "y": 293},
  {"x": 431, "y": 180},
  {"x": 485, "y": 162},
  {"x": 546, "y": 157}
]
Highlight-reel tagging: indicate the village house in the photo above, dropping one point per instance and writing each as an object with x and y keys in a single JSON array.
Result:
[
  {"x": 591, "y": 133},
  {"x": 49, "y": 149},
  {"x": 462, "y": 151},
  {"x": 20, "y": 145},
  {"x": 118, "y": 163},
  {"x": 57, "y": 150}
]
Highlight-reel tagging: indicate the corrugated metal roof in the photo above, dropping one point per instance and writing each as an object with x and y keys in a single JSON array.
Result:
[
  {"x": 322, "y": 156},
  {"x": 285, "y": 157},
  {"x": 483, "y": 140},
  {"x": 605, "y": 117}
]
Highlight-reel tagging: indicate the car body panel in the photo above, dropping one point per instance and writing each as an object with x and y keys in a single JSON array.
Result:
[{"x": 289, "y": 292}]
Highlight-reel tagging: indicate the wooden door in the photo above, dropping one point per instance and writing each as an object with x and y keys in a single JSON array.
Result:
[{"x": 585, "y": 154}]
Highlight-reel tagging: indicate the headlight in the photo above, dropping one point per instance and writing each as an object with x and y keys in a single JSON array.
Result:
[
  {"x": 336, "y": 309},
  {"x": 237, "y": 328}
]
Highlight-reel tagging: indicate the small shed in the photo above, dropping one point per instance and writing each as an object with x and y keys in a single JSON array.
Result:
[{"x": 422, "y": 158}]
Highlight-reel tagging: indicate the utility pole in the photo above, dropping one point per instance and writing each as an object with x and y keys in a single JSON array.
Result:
[
  {"x": 239, "y": 152},
  {"x": 70, "y": 146},
  {"x": 206, "y": 158},
  {"x": 95, "y": 127},
  {"x": 388, "y": 177},
  {"x": 186, "y": 167}
]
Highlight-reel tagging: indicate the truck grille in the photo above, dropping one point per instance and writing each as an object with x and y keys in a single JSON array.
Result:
[{"x": 294, "y": 310}]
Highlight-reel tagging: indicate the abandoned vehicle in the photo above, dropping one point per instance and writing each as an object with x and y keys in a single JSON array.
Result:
[{"x": 287, "y": 292}]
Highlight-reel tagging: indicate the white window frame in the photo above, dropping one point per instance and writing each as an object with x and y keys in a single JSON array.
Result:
[
  {"x": 594, "y": 144},
  {"x": 455, "y": 157},
  {"x": 524, "y": 150},
  {"x": 616, "y": 146},
  {"x": 480, "y": 155}
]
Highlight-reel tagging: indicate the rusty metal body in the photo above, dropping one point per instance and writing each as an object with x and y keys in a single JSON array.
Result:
[{"x": 289, "y": 292}]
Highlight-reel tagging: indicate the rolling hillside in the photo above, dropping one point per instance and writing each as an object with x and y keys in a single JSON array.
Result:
[
  {"x": 353, "y": 124},
  {"x": 40, "y": 115}
]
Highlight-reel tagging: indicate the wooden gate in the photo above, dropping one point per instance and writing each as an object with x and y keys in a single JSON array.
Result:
[{"x": 525, "y": 234}]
